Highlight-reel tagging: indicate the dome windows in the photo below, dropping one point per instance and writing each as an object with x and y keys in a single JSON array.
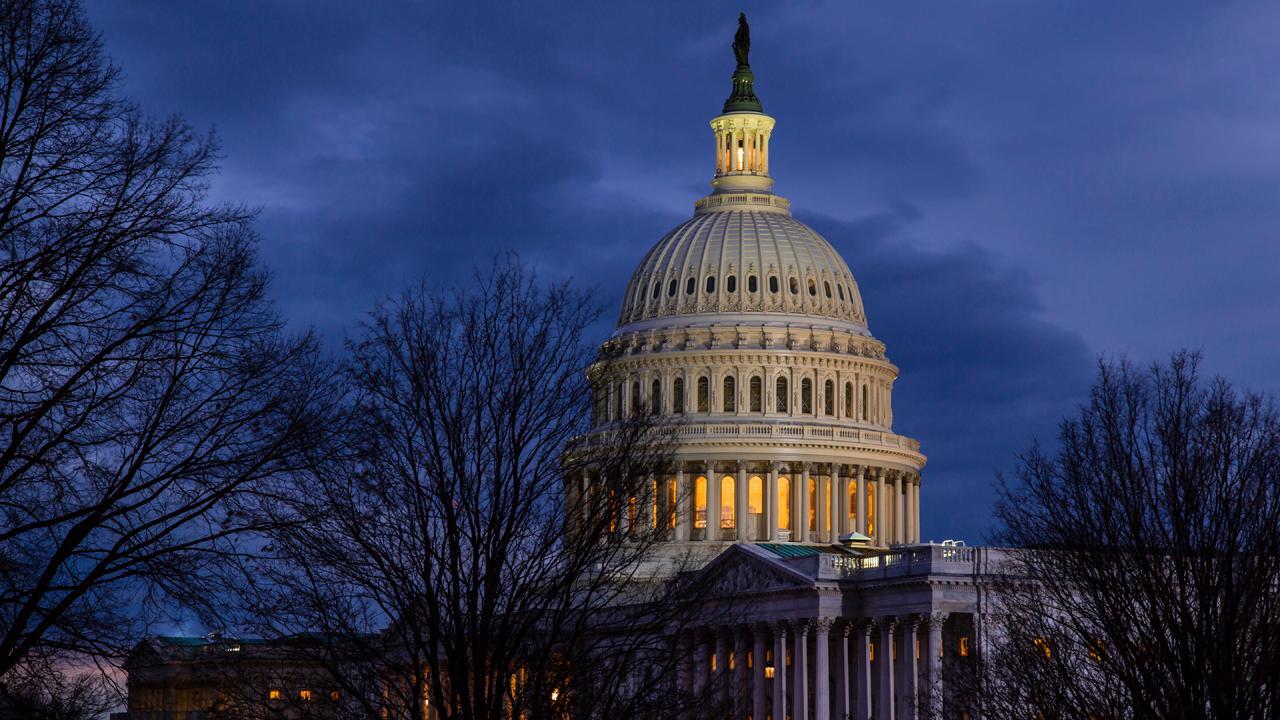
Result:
[
  {"x": 806, "y": 396},
  {"x": 690, "y": 286},
  {"x": 813, "y": 288},
  {"x": 756, "y": 395},
  {"x": 781, "y": 403},
  {"x": 773, "y": 284},
  {"x": 829, "y": 398},
  {"x": 655, "y": 397},
  {"x": 657, "y": 290},
  {"x": 711, "y": 284},
  {"x": 752, "y": 285},
  {"x": 795, "y": 286},
  {"x": 704, "y": 395},
  {"x": 671, "y": 289},
  {"x": 840, "y": 291},
  {"x": 730, "y": 400},
  {"x": 826, "y": 285},
  {"x": 731, "y": 284}
]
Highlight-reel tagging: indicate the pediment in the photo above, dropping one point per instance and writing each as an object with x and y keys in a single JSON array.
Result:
[{"x": 742, "y": 570}]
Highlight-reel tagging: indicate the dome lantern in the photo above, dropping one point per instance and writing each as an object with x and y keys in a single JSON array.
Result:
[{"x": 742, "y": 129}]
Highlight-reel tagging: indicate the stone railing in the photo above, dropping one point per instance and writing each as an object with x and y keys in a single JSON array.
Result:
[
  {"x": 918, "y": 560},
  {"x": 754, "y": 431},
  {"x": 757, "y": 199}
]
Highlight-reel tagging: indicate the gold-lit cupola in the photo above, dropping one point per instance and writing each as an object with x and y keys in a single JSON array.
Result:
[{"x": 742, "y": 129}]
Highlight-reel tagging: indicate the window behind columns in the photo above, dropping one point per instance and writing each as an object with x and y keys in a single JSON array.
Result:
[
  {"x": 728, "y": 501},
  {"x": 635, "y": 399},
  {"x": 700, "y": 502},
  {"x": 784, "y": 502}
]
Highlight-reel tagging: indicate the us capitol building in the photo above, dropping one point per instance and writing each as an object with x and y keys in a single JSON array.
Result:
[{"x": 746, "y": 327}]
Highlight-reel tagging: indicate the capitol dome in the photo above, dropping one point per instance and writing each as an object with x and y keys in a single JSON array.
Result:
[
  {"x": 743, "y": 254},
  {"x": 743, "y": 330}
]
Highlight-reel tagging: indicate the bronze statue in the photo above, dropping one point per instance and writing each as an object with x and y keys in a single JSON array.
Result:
[{"x": 742, "y": 40}]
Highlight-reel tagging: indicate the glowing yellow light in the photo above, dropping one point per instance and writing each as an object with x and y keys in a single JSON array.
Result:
[
  {"x": 273, "y": 694},
  {"x": 555, "y": 694},
  {"x": 740, "y": 154},
  {"x": 768, "y": 672},
  {"x": 304, "y": 695}
]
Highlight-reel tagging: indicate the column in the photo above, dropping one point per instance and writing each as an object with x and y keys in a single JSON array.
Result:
[
  {"x": 738, "y": 700},
  {"x": 741, "y": 516},
  {"x": 758, "y": 711},
  {"x": 838, "y": 506},
  {"x": 779, "y": 671},
  {"x": 862, "y": 499},
  {"x": 713, "y": 502},
  {"x": 862, "y": 691},
  {"x": 916, "y": 507},
  {"x": 700, "y": 665},
  {"x": 933, "y": 680},
  {"x": 899, "y": 515},
  {"x": 908, "y": 676},
  {"x": 800, "y": 688},
  {"x": 720, "y": 676},
  {"x": 882, "y": 535},
  {"x": 884, "y": 669},
  {"x": 803, "y": 505},
  {"x": 822, "y": 669},
  {"x": 687, "y": 650},
  {"x": 844, "y": 706},
  {"x": 771, "y": 502},
  {"x": 682, "y": 505},
  {"x": 821, "y": 496}
]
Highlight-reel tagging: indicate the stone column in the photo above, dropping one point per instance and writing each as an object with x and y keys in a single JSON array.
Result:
[
  {"x": 713, "y": 502},
  {"x": 863, "y": 688},
  {"x": 933, "y": 680},
  {"x": 701, "y": 666},
  {"x": 884, "y": 669},
  {"x": 737, "y": 693},
  {"x": 820, "y": 498},
  {"x": 862, "y": 500},
  {"x": 835, "y": 504},
  {"x": 687, "y": 650},
  {"x": 741, "y": 520},
  {"x": 882, "y": 534},
  {"x": 908, "y": 677},
  {"x": 757, "y": 675},
  {"x": 682, "y": 505},
  {"x": 916, "y": 507},
  {"x": 720, "y": 676},
  {"x": 822, "y": 669},
  {"x": 899, "y": 533},
  {"x": 779, "y": 671},
  {"x": 844, "y": 706},
  {"x": 771, "y": 502},
  {"x": 800, "y": 660},
  {"x": 803, "y": 505}
]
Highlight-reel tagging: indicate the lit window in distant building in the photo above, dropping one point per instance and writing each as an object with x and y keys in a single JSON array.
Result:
[
  {"x": 335, "y": 696},
  {"x": 871, "y": 651},
  {"x": 1043, "y": 646},
  {"x": 964, "y": 646},
  {"x": 304, "y": 695},
  {"x": 273, "y": 694}
]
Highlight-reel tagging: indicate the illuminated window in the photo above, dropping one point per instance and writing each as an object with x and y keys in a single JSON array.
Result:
[
  {"x": 964, "y": 646},
  {"x": 813, "y": 502},
  {"x": 273, "y": 694},
  {"x": 773, "y": 284},
  {"x": 335, "y": 696},
  {"x": 677, "y": 396},
  {"x": 713, "y": 662},
  {"x": 871, "y": 651},
  {"x": 806, "y": 396},
  {"x": 751, "y": 659},
  {"x": 671, "y": 503},
  {"x": 304, "y": 695},
  {"x": 727, "y": 502},
  {"x": 690, "y": 286},
  {"x": 755, "y": 495},
  {"x": 1095, "y": 650},
  {"x": 733, "y": 660},
  {"x": 704, "y": 395},
  {"x": 752, "y": 285},
  {"x": 871, "y": 508},
  {"x": 731, "y": 283},
  {"x": 700, "y": 502},
  {"x": 730, "y": 399},
  {"x": 757, "y": 393},
  {"x": 781, "y": 400},
  {"x": 917, "y": 648},
  {"x": 784, "y": 502},
  {"x": 711, "y": 284}
]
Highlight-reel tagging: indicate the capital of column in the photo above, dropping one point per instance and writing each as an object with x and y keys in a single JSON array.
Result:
[
  {"x": 824, "y": 625},
  {"x": 937, "y": 619}
]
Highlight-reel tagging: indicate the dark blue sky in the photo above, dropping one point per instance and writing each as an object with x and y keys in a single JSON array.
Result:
[{"x": 1018, "y": 187}]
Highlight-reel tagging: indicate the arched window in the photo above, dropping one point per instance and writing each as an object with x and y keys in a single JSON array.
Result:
[
  {"x": 755, "y": 495},
  {"x": 829, "y": 398},
  {"x": 780, "y": 402},
  {"x": 677, "y": 396},
  {"x": 671, "y": 289},
  {"x": 704, "y": 395},
  {"x": 711, "y": 284},
  {"x": 848, "y": 399},
  {"x": 826, "y": 285},
  {"x": 813, "y": 289},
  {"x": 795, "y": 286},
  {"x": 757, "y": 393},
  {"x": 752, "y": 285},
  {"x": 655, "y": 397},
  {"x": 657, "y": 289},
  {"x": 730, "y": 399},
  {"x": 700, "y": 502},
  {"x": 806, "y": 396},
  {"x": 635, "y": 399},
  {"x": 773, "y": 284},
  {"x": 731, "y": 283},
  {"x": 865, "y": 395},
  {"x": 727, "y": 502},
  {"x": 840, "y": 291},
  {"x": 617, "y": 402},
  {"x": 690, "y": 286},
  {"x": 784, "y": 502}
]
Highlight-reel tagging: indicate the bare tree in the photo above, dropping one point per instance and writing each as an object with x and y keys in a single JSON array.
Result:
[
  {"x": 1146, "y": 583},
  {"x": 146, "y": 389},
  {"x": 460, "y": 526}
]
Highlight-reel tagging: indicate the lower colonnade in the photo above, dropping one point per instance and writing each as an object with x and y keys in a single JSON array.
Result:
[
  {"x": 883, "y": 668},
  {"x": 766, "y": 501}
]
